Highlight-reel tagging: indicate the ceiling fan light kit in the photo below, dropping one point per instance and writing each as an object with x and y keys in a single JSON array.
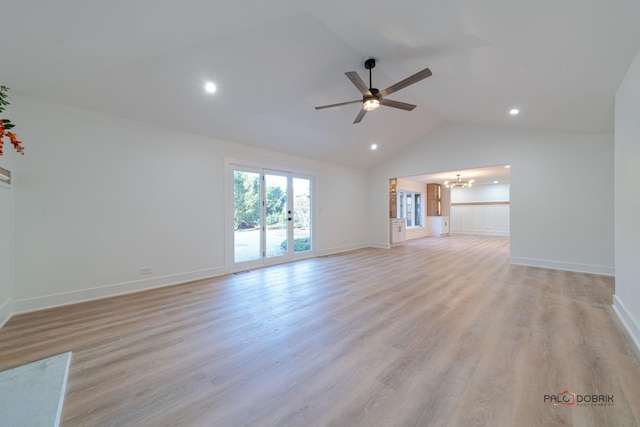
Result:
[
  {"x": 371, "y": 104},
  {"x": 373, "y": 98}
]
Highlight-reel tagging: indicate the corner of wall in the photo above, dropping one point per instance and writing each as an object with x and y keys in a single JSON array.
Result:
[
  {"x": 6, "y": 242},
  {"x": 6, "y": 311},
  {"x": 603, "y": 270},
  {"x": 380, "y": 245},
  {"x": 628, "y": 321},
  {"x": 626, "y": 302}
]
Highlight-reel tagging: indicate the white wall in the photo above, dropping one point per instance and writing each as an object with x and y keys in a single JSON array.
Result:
[
  {"x": 627, "y": 200},
  {"x": 98, "y": 197},
  {"x": 446, "y": 201},
  {"x": 6, "y": 197},
  {"x": 481, "y": 193},
  {"x": 551, "y": 225},
  {"x": 411, "y": 185}
]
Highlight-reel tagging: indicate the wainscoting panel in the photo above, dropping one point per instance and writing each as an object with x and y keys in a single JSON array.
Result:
[{"x": 474, "y": 218}]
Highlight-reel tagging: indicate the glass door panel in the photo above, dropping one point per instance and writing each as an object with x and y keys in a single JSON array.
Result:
[
  {"x": 301, "y": 215},
  {"x": 246, "y": 216},
  {"x": 276, "y": 215}
]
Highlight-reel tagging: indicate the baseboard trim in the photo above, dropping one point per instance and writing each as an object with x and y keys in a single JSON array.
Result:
[
  {"x": 481, "y": 233},
  {"x": 6, "y": 311},
  {"x": 567, "y": 266},
  {"x": 627, "y": 319},
  {"x": 74, "y": 297},
  {"x": 379, "y": 245},
  {"x": 338, "y": 249}
]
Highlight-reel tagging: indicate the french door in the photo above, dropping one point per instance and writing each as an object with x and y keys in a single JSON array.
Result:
[{"x": 271, "y": 217}]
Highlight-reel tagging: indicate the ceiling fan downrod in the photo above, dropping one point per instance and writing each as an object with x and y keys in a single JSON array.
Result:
[{"x": 369, "y": 64}]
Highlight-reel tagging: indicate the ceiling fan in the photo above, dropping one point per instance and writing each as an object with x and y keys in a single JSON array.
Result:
[{"x": 373, "y": 98}]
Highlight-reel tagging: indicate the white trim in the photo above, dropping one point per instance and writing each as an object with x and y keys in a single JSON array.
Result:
[
  {"x": 567, "y": 266},
  {"x": 338, "y": 249},
  {"x": 7, "y": 307},
  {"x": 231, "y": 164},
  {"x": 379, "y": 245},
  {"x": 73, "y": 297},
  {"x": 6, "y": 311},
  {"x": 257, "y": 265},
  {"x": 627, "y": 319},
  {"x": 481, "y": 233}
]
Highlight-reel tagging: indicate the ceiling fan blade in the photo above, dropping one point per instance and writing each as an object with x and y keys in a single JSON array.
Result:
[
  {"x": 338, "y": 104},
  {"x": 406, "y": 82},
  {"x": 358, "y": 82},
  {"x": 360, "y": 116},
  {"x": 397, "y": 104}
]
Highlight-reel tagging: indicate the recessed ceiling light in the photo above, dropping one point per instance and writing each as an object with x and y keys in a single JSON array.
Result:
[
  {"x": 210, "y": 87},
  {"x": 495, "y": 182},
  {"x": 374, "y": 146},
  {"x": 514, "y": 112},
  {"x": 507, "y": 166}
]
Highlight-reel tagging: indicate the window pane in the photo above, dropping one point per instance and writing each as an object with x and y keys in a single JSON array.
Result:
[
  {"x": 301, "y": 215},
  {"x": 276, "y": 215}
]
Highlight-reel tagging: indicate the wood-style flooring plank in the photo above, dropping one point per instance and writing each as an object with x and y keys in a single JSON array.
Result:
[{"x": 434, "y": 332}]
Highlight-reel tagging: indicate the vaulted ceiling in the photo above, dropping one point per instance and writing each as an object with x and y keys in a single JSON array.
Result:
[{"x": 559, "y": 62}]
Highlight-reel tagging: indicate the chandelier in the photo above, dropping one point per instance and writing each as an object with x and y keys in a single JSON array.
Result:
[{"x": 458, "y": 183}]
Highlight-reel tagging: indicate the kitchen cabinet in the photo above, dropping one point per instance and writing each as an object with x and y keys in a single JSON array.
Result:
[
  {"x": 398, "y": 230},
  {"x": 434, "y": 200},
  {"x": 393, "y": 197}
]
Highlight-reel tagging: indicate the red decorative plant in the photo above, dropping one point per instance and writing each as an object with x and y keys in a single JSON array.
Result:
[{"x": 5, "y": 124}]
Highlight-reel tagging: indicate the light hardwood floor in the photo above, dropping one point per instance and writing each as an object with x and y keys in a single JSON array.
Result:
[{"x": 436, "y": 332}]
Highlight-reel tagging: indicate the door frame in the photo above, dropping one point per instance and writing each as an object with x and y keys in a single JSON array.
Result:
[
  {"x": 230, "y": 165},
  {"x": 287, "y": 256}
]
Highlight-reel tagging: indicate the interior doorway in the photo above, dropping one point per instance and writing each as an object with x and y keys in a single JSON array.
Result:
[{"x": 475, "y": 201}]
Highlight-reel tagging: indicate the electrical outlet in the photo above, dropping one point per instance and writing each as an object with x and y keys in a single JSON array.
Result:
[{"x": 145, "y": 270}]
